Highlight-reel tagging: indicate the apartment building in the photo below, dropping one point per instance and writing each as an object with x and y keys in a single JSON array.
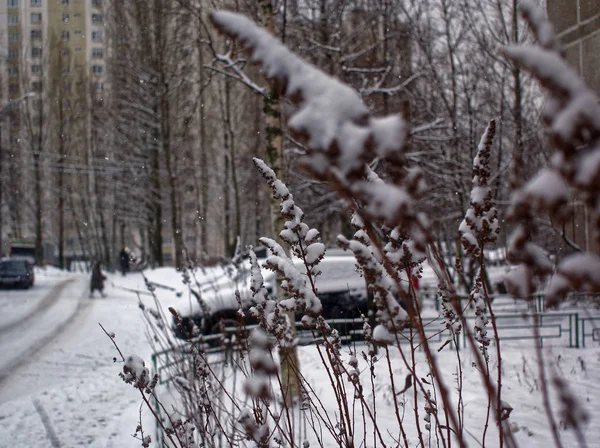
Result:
[
  {"x": 577, "y": 23},
  {"x": 26, "y": 30},
  {"x": 45, "y": 44}
]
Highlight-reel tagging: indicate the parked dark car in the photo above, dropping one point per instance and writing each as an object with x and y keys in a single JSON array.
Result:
[
  {"x": 16, "y": 272},
  {"x": 341, "y": 289}
]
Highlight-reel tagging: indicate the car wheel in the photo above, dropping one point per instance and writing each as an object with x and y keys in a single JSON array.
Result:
[{"x": 337, "y": 313}]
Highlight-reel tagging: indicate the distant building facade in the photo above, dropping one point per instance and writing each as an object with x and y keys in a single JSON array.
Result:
[
  {"x": 25, "y": 30},
  {"x": 577, "y": 23},
  {"x": 38, "y": 40}
]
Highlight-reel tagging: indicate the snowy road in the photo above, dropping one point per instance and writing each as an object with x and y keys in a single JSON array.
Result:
[
  {"x": 23, "y": 336},
  {"x": 65, "y": 384}
]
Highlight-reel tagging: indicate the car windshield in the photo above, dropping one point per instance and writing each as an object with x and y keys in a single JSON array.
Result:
[
  {"x": 339, "y": 269},
  {"x": 13, "y": 266}
]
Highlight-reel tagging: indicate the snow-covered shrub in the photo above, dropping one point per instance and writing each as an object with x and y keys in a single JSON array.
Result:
[
  {"x": 392, "y": 238},
  {"x": 341, "y": 138}
]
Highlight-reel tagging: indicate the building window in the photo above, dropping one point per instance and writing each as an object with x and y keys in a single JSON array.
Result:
[
  {"x": 13, "y": 53},
  {"x": 99, "y": 87},
  {"x": 66, "y": 35},
  {"x": 13, "y": 72},
  {"x": 65, "y": 17},
  {"x": 77, "y": 32},
  {"x": 36, "y": 52},
  {"x": 13, "y": 90},
  {"x": 12, "y": 3},
  {"x": 97, "y": 36},
  {"x": 36, "y": 69},
  {"x": 36, "y": 86},
  {"x": 36, "y": 34},
  {"x": 13, "y": 36},
  {"x": 97, "y": 69},
  {"x": 98, "y": 53},
  {"x": 66, "y": 51},
  {"x": 78, "y": 50},
  {"x": 97, "y": 3},
  {"x": 13, "y": 20},
  {"x": 96, "y": 19},
  {"x": 64, "y": 2},
  {"x": 36, "y": 2},
  {"x": 36, "y": 17},
  {"x": 66, "y": 68}
]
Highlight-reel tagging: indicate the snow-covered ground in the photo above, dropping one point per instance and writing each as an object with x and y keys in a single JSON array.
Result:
[
  {"x": 73, "y": 379},
  {"x": 69, "y": 388}
]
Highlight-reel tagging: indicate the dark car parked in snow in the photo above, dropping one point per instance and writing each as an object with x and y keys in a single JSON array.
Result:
[
  {"x": 16, "y": 272},
  {"x": 341, "y": 289}
]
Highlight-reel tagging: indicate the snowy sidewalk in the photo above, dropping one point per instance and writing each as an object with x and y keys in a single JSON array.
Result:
[{"x": 30, "y": 328}]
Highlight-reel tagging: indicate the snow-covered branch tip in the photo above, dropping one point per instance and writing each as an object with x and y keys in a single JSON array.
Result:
[
  {"x": 330, "y": 116},
  {"x": 480, "y": 225},
  {"x": 304, "y": 243}
]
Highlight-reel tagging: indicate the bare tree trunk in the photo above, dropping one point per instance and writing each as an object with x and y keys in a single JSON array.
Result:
[
  {"x": 113, "y": 242},
  {"x": 517, "y": 159},
  {"x": 204, "y": 184},
  {"x": 166, "y": 144},
  {"x": 80, "y": 236},
  {"x": 61, "y": 188},
  {"x": 39, "y": 212},
  {"x": 234, "y": 178},
  {"x": 156, "y": 240},
  {"x": 1, "y": 191},
  {"x": 226, "y": 165},
  {"x": 290, "y": 366},
  {"x": 231, "y": 180}
]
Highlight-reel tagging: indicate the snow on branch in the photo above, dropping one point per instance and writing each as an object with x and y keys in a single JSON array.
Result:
[
  {"x": 330, "y": 116},
  {"x": 480, "y": 225},
  {"x": 341, "y": 138},
  {"x": 579, "y": 108},
  {"x": 543, "y": 29},
  {"x": 390, "y": 314},
  {"x": 304, "y": 244},
  {"x": 573, "y": 116}
]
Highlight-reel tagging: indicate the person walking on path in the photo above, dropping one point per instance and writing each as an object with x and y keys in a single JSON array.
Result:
[
  {"x": 124, "y": 261},
  {"x": 97, "y": 282}
]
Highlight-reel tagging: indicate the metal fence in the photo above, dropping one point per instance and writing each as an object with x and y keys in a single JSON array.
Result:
[
  {"x": 590, "y": 328},
  {"x": 568, "y": 329}
]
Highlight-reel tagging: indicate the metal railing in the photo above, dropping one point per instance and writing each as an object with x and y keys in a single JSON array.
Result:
[
  {"x": 514, "y": 327},
  {"x": 566, "y": 327},
  {"x": 590, "y": 328}
]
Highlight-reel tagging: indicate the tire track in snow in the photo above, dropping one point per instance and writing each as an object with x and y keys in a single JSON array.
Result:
[
  {"x": 49, "y": 300},
  {"x": 42, "y": 340}
]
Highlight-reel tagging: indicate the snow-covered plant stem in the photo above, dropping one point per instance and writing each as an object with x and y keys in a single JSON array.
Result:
[
  {"x": 480, "y": 361},
  {"x": 341, "y": 136},
  {"x": 301, "y": 289},
  {"x": 480, "y": 227},
  {"x": 135, "y": 373}
]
